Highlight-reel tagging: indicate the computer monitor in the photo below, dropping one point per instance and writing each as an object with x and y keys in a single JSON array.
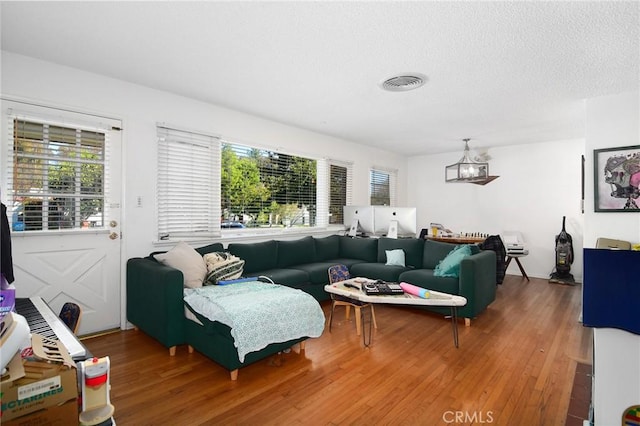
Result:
[
  {"x": 405, "y": 218},
  {"x": 364, "y": 217}
]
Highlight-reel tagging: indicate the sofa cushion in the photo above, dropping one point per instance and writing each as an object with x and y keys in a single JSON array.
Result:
[
  {"x": 413, "y": 250},
  {"x": 434, "y": 252},
  {"x": 377, "y": 271},
  {"x": 257, "y": 256},
  {"x": 296, "y": 252},
  {"x": 318, "y": 271},
  {"x": 186, "y": 259},
  {"x": 359, "y": 248},
  {"x": 395, "y": 257},
  {"x": 425, "y": 278},
  {"x": 450, "y": 265},
  {"x": 327, "y": 248},
  {"x": 289, "y": 277},
  {"x": 343, "y": 261}
]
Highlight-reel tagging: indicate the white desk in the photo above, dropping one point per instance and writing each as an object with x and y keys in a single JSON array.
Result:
[{"x": 436, "y": 299}]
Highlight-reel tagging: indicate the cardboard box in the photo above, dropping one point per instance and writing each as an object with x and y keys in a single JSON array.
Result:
[
  {"x": 42, "y": 384},
  {"x": 58, "y": 415}
]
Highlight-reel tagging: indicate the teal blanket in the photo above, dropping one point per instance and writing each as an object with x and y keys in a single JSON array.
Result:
[{"x": 258, "y": 313}]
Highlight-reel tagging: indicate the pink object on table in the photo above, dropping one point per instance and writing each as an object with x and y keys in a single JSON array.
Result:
[{"x": 415, "y": 290}]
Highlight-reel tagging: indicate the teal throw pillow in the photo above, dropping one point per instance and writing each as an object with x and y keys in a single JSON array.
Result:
[
  {"x": 395, "y": 257},
  {"x": 450, "y": 265}
]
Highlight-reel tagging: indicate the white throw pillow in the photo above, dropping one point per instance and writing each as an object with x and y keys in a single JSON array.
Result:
[{"x": 186, "y": 259}]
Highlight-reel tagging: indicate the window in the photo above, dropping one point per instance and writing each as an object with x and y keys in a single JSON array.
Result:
[
  {"x": 382, "y": 187},
  {"x": 267, "y": 189},
  {"x": 58, "y": 178},
  {"x": 188, "y": 184},
  {"x": 339, "y": 191},
  {"x": 208, "y": 186}
]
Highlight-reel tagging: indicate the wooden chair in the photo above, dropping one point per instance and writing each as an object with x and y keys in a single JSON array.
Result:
[
  {"x": 340, "y": 273},
  {"x": 70, "y": 314}
]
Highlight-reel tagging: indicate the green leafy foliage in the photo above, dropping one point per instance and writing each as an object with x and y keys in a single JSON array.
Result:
[{"x": 266, "y": 188}]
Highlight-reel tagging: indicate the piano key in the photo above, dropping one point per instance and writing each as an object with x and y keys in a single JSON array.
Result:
[{"x": 42, "y": 320}]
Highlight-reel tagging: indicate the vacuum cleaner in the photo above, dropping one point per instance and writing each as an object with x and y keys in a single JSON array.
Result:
[{"x": 564, "y": 258}]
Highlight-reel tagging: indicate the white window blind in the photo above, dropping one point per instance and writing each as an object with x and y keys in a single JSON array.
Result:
[
  {"x": 57, "y": 179},
  {"x": 188, "y": 184},
  {"x": 383, "y": 187},
  {"x": 322, "y": 193},
  {"x": 267, "y": 189},
  {"x": 340, "y": 189}
]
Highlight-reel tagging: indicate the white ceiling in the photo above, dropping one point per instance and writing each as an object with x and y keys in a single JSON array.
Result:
[{"x": 500, "y": 73}]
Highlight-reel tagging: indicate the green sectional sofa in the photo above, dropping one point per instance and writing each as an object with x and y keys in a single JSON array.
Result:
[
  {"x": 154, "y": 298},
  {"x": 155, "y": 291},
  {"x": 303, "y": 263}
]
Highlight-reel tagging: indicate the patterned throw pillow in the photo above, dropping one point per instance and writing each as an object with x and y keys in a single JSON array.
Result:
[{"x": 222, "y": 266}]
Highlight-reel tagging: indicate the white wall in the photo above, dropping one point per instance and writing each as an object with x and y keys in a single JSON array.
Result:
[
  {"x": 613, "y": 121},
  {"x": 141, "y": 108},
  {"x": 538, "y": 185}
]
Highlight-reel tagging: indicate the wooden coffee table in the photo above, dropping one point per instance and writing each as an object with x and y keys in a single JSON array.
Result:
[{"x": 436, "y": 299}]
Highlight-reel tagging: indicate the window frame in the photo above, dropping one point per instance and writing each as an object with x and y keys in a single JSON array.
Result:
[
  {"x": 280, "y": 229},
  {"x": 322, "y": 194},
  {"x": 348, "y": 188},
  {"x": 77, "y": 145},
  {"x": 392, "y": 178}
]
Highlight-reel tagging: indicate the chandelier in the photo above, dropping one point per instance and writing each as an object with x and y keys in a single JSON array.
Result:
[{"x": 467, "y": 170}]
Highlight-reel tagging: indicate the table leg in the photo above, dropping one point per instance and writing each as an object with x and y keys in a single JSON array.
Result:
[
  {"x": 366, "y": 341},
  {"x": 454, "y": 324},
  {"x": 524, "y": 274},
  {"x": 509, "y": 258}
]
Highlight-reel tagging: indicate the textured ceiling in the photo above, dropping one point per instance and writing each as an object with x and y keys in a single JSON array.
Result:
[{"x": 500, "y": 73}]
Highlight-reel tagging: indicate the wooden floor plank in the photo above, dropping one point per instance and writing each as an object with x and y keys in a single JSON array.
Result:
[{"x": 515, "y": 365}]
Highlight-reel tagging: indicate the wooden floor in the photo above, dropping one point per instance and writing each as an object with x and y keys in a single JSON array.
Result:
[{"x": 515, "y": 365}]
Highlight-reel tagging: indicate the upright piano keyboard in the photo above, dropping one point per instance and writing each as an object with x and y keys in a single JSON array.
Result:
[{"x": 42, "y": 320}]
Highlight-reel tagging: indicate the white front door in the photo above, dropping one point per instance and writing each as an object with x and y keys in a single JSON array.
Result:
[{"x": 63, "y": 197}]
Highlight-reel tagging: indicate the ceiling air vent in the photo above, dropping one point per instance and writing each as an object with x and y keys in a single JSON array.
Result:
[{"x": 402, "y": 83}]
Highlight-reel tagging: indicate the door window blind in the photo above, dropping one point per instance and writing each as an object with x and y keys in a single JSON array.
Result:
[{"x": 57, "y": 178}]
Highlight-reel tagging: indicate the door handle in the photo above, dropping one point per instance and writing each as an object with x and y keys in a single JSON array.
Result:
[{"x": 113, "y": 235}]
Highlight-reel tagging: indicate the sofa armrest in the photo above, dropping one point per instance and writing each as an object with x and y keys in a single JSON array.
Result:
[
  {"x": 155, "y": 300},
  {"x": 478, "y": 282}
]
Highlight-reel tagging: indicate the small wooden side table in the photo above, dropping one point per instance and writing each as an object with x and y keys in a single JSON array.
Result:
[
  {"x": 456, "y": 240},
  {"x": 517, "y": 256}
]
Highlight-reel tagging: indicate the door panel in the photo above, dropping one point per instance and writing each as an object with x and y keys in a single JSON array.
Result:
[
  {"x": 78, "y": 268},
  {"x": 83, "y": 264}
]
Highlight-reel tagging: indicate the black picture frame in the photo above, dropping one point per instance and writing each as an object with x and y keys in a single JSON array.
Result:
[{"x": 616, "y": 173}]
